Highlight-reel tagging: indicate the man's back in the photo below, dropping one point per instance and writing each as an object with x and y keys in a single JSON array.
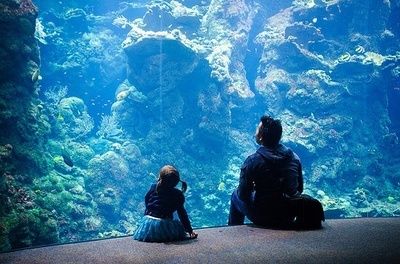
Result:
[
  {"x": 271, "y": 183},
  {"x": 270, "y": 172}
]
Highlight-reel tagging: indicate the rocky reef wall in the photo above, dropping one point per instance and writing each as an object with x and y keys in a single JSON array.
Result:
[
  {"x": 19, "y": 112},
  {"x": 323, "y": 73},
  {"x": 324, "y": 67},
  {"x": 24, "y": 129}
]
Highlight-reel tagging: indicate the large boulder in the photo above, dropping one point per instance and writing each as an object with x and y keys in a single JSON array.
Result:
[{"x": 159, "y": 61}]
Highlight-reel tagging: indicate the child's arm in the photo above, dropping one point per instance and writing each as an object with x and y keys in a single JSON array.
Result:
[
  {"x": 186, "y": 222},
  {"x": 183, "y": 216},
  {"x": 193, "y": 235}
]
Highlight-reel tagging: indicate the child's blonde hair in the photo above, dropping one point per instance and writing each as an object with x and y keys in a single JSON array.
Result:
[{"x": 169, "y": 178}]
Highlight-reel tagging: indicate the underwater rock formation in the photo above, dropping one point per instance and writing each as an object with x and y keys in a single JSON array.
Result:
[
  {"x": 73, "y": 116},
  {"x": 22, "y": 118},
  {"x": 161, "y": 69},
  {"x": 27, "y": 215},
  {"x": 154, "y": 55},
  {"x": 226, "y": 27},
  {"x": 22, "y": 123},
  {"x": 24, "y": 129},
  {"x": 304, "y": 77},
  {"x": 163, "y": 15}
]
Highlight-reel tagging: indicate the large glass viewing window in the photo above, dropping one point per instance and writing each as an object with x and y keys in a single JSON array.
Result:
[{"x": 96, "y": 96}]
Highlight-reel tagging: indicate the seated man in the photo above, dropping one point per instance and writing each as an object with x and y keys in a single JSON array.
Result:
[{"x": 271, "y": 183}]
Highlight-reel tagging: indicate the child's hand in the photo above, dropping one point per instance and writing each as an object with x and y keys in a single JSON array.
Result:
[{"x": 192, "y": 235}]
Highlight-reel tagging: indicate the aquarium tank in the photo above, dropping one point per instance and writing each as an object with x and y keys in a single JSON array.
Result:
[{"x": 96, "y": 96}]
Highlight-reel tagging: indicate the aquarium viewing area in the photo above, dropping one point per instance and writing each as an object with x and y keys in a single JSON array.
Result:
[{"x": 96, "y": 96}]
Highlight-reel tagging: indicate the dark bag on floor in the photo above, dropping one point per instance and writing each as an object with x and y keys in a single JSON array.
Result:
[{"x": 309, "y": 212}]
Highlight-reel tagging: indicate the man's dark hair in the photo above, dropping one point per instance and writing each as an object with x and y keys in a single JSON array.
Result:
[{"x": 271, "y": 131}]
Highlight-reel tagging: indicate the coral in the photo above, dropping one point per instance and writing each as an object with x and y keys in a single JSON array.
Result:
[
  {"x": 60, "y": 166},
  {"x": 93, "y": 224},
  {"x": 71, "y": 108},
  {"x": 83, "y": 126},
  {"x": 40, "y": 34},
  {"x": 375, "y": 58},
  {"x": 361, "y": 197},
  {"x": 219, "y": 58},
  {"x": 177, "y": 60},
  {"x": 122, "y": 22},
  {"x": 162, "y": 16},
  {"x": 108, "y": 168},
  {"x": 130, "y": 151},
  {"x": 108, "y": 203},
  {"x": 304, "y": 3},
  {"x": 81, "y": 153},
  {"x": 76, "y": 211},
  {"x": 325, "y": 169},
  {"x": 97, "y": 41},
  {"x": 23, "y": 228},
  {"x": 76, "y": 121},
  {"x": 226, "y": 26},
  {"x": 109, "y": 128},
  {"x": 74, "y": 13},
  {"x": 5, "y": 151},
  {"x": 128, "y": 227},
  {"x": 14, "y": 9},
  {"x": 110, "y": 234},
  {"x": 55, "y": 94},
  {"x": 334, "y": 207}
]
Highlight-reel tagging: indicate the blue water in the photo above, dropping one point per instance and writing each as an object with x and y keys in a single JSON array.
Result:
[{"x": 190, "y": 93}]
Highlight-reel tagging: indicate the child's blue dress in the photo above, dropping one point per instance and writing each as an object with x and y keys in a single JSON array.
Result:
[{"x": 152, "y": 229}]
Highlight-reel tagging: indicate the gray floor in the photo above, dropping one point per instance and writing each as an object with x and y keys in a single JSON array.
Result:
[{"x": 364, "y": 240}]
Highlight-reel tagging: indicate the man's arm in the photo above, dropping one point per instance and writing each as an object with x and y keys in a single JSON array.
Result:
[
  {"x": 293, "y": 184},
  {"x": 300, "y": 178},
  {"x": 246, "y": 182}
]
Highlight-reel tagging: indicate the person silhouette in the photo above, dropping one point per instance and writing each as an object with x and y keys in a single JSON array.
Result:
[
  {"x": 271, "y": 185},
  {"x": 161, "y": 201}
]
